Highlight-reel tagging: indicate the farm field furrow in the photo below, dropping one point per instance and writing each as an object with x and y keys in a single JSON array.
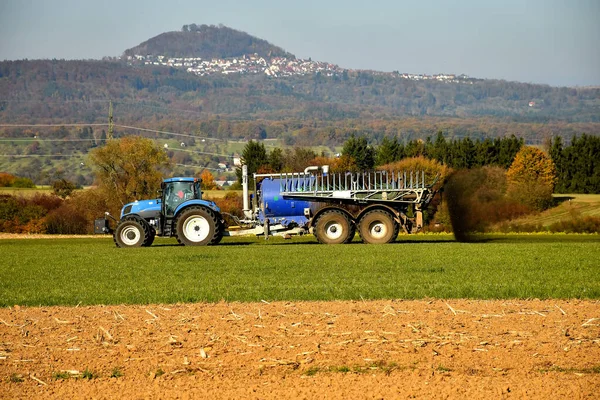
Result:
[{"x": 338, "y": 350}]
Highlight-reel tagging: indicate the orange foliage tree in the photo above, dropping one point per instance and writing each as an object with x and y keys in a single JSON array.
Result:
[
  {"x": 531, "y": 178},
  {"x": 208, "y": 181}
]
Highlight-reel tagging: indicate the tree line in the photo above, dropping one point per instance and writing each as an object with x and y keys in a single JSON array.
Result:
[{"x": 577, "y": 165}]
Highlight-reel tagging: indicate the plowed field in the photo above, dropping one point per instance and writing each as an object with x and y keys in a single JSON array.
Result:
[{"x": 374, "y": 349}]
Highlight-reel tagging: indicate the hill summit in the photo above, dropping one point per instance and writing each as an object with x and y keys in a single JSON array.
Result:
[{"x": 207, "y": 41}]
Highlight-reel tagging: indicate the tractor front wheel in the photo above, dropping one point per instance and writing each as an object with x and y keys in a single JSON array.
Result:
[
  {"x": 131, "y": 233},
  {"x": 198, "y": 226}
]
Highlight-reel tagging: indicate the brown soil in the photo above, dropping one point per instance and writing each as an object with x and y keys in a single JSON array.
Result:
[{"x": 337, "y": 350}]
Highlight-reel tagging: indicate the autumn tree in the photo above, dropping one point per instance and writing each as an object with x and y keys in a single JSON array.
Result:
[
  {"x": 298, "y": 159},
  {"x": 63, "y": 188},
  {"x": 129, "y": 168},
  {"x": 531, "y": 178},
  {"x": 433, "y": 169},
  {"x": 208, "y": 181}
]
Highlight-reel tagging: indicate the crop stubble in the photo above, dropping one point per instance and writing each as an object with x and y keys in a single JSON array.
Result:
[{"x": 350, "y": 349}]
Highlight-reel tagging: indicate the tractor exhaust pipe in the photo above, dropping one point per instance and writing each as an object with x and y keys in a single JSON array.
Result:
[{"x": 246, "y": 210}]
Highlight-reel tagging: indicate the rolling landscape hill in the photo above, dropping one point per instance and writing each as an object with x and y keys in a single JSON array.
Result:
[
  {"x": 207, "y": 42},
  {"x": 219, "y": 83}
]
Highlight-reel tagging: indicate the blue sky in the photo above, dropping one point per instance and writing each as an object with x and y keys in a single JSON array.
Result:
[{"x": 556, "y": 42}]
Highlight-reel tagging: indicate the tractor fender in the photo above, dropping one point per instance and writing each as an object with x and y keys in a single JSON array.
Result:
[{"x": 204, "y": 203}]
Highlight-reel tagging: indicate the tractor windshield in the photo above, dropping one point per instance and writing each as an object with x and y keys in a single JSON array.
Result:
[{"x": 178, "y": 192}]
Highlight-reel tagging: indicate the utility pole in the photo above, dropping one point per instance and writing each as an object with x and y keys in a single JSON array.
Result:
[{"x": 111, "y": 125}]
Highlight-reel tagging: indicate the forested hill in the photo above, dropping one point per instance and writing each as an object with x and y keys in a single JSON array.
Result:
[
  {"x": 233, "y": 85},
  {"x": 61, "y": 91},
  {"x": 207, "y": 42}
]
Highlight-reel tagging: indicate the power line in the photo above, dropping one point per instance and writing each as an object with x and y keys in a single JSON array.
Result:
[
  {"x": 198, "y": 167},
  {"x": 157, "y": 107},
  {"x": 166, "y": 132},
  {"x": 45, "y": 140},
  {"x": 119, "y": 126},
  {"x": 45, "y": 125},
  {"x": 203, "y": 152},
  {"x": 41, "y": 155}
]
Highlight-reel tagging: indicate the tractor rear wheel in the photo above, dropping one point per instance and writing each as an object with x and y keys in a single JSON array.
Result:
[
  {"x": 377, "y": 227},
  {"x": 198, "y": 226},
  {"x": 131, "y": 233},
  {"x": 333, "y": 227}
]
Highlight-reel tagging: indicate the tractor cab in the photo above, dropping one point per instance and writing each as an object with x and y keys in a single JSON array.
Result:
[{"x": 175, "y": 191}]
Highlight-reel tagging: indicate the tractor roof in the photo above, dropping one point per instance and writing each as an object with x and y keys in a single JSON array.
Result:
[{"x": 179, "y": 179}]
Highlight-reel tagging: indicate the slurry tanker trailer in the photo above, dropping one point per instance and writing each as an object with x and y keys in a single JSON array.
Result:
[{"x": 332, "y": 206}]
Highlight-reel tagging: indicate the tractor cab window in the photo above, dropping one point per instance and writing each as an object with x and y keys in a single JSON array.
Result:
[
  {"x": 198, "y": 190},
  {"x": 176, "y": 193}
]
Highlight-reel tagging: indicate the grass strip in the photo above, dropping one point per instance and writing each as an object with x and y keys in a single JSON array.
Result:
[{"x": 93, "y": 271}]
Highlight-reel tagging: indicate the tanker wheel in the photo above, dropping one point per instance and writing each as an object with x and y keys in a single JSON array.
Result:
[
  {"x": 377, "y": 227},
  {"x": 333, "y": 227},
  {"x": 352, "y": 233},
  {"x": 131, "y": 232},
  {"x": 197, "y": 226}
]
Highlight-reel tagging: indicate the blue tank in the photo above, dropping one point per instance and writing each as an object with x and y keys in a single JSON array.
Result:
[{"x": 277, "y": 209}]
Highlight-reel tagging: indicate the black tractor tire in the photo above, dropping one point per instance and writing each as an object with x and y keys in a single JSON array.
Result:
[
  {"x": 151, "y": 236},
  {"x": 377, "y": 227},
  {"x": 219, "y": 234},
  {"x": 333, "y": 227},
  {"x": 198, "y": 226},
  {"x": 131, "y": 232}
]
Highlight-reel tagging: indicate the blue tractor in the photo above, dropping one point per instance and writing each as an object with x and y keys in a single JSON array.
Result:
[{"x": 180, "y": 212}]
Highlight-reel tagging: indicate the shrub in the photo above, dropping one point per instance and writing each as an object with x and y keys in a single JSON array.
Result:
[
  {"x": 588, "y": 224},
  {"x": 231, "y": 203},
  {"x": 9, "y": 180},
  {"x": 535, "y": 195},
  {"x": 344, "y": 163},
  {"x": 507, "y": 227},
  {"x": 92, "y": 203},
  {"x": 24, "y": 215},
  {"x": 477, "y": 198},
  {"x": 23, "y": 183},
  {"x": 66, "y": 219},
  {"x": 48, "y": 202},
  {"x": 6, "y": 179},
  {"x": 63, "y": 188},
  {"x": 432, "y": 168}
]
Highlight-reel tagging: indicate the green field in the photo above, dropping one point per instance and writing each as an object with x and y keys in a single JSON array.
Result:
[
  {"x": 568, "y": 206},
  {"x": 26, "y": 192},
  {"x": 93, "y": 271}
]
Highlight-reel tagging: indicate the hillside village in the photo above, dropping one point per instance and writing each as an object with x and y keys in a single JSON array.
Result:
[{"x": 275, "y": 67}]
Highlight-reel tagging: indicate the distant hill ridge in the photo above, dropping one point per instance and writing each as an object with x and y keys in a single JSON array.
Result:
[{"x": 207, "y": 41}]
